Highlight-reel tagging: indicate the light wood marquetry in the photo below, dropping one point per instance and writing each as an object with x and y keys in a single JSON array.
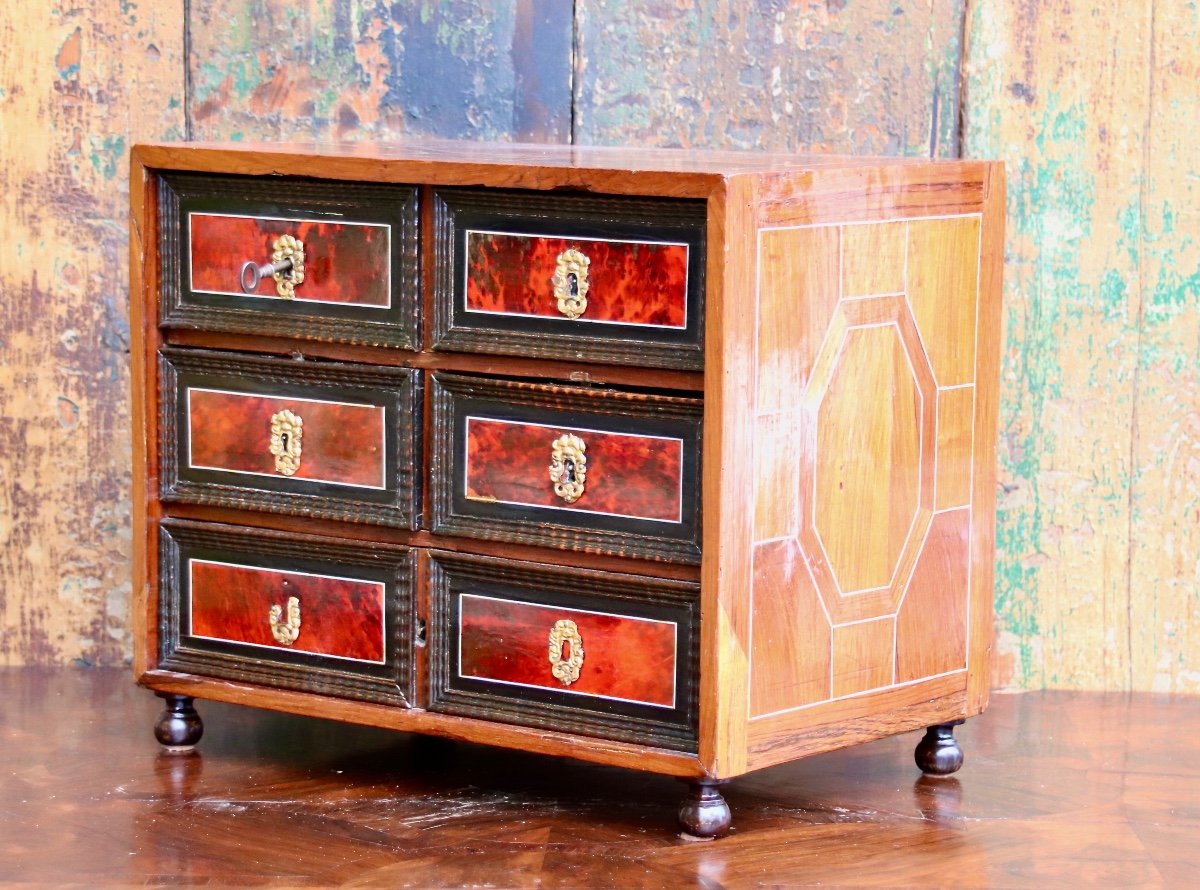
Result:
[
  {"x": 896, "y": 417},
  {"x": 790, "y": 628},
  {"x": 778, "y": 738},
  {"x": 862, "y": 656},
  {"x": 943, "y": 271},
  {"x": 981, "y": 606},
  {"x": 931, "y": 627},
  {"x": 867, "y": 462},
  {"x": 956, "y": 408},
  {"x": 779, "y": 446},
  {"x": 728, "y": 479},
  {"x": 798, "y": 289},
  {"x": 873, "y": 259}
]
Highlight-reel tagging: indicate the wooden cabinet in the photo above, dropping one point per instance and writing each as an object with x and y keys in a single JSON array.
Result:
[{"x": 675, "y": 461}]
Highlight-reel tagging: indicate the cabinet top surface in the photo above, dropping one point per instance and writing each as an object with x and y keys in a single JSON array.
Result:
[{"x": 204, "y": 155}]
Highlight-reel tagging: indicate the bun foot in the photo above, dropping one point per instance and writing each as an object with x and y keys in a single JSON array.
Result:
[
  {"x": 938, "y": 753},
  {"x": 704, "y": 813},
  {"x": 179, "y": 726}
]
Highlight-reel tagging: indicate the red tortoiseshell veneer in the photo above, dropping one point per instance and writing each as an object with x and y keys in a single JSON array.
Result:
[
  {"x": 637, "y": 456},
  {"x": 627, "y": 475},
  {"x": 340, "y": 617},
  {"x": 630, "y": 659},
  {"x": 600, "y": 653},
  {"x": 344, "y": 263},
  {"x": 341, "y": 443},
  {"x": 630, "y": 282}
]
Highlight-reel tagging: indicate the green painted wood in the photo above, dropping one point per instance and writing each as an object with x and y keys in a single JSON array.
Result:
[
  {"x": 1098, "y": 567},
  {"x": 1164, "y": 533},
  {"x": 834, "y": 76},
  {"x": 351, "y": 69}
]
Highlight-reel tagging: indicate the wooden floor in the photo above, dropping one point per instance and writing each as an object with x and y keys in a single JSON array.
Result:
[{"x": 1058, "y": 789}]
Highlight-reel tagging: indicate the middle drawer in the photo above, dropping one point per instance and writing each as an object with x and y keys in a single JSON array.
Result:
[
  {"x": 599, "y": 470},
  {"x": 318, "y": 439}
]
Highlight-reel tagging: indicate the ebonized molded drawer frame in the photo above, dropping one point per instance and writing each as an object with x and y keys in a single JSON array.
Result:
[
  {"x": 397, "y": 390},
  {"x": 588, "y": 216},
  {"x": 455, "y": 396},
  {"x": 387, "y": 683},
  {"x": 627, "y": 595},
  {"x": 397, "y": 325}
]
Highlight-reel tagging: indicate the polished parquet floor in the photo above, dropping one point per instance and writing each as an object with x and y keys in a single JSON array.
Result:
[{"x": 1059, "y": 790}]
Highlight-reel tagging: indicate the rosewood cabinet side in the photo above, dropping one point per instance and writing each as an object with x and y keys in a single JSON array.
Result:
[{"x": 863, "y": 605}]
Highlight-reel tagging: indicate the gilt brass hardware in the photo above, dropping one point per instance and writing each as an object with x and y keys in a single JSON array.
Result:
[
  {"x": 286, "y": 267},
  {"x": 568, "y": 467},
  {"x": 287, "y": 429},
  {"x": 285, "y": 632},
  {"x": 565, "y": 670},
  {"x": 570, "y": 282}
]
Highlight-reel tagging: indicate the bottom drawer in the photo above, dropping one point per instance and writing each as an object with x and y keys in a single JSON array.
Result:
[
  {"x": 593, "y": 653},
  {"x": 295, "y": 611}
]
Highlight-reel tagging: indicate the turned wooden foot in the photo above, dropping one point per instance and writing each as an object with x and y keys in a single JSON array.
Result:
[
  {"x": 179, "y": 726},
  {"x": 704, "y": 812},
  {"x": 938, "y": 753}
]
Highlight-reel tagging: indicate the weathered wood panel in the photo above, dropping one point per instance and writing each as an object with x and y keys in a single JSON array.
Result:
[
  {"x": 77, "y": 86},
  {"x": 1092, "y": 105},
  {"x": 871, "y": 76},
  {"x": 1164, "y": 534},
  {"x": 1098, "y": 569},
  {"x": 311, "y": 69}
]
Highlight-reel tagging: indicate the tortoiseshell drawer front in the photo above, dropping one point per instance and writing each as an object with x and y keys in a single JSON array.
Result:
[
  {"x": 318, "y": 439},
  {"x": 582, "y": 469},
  {"x": 590, "y": 652},
  {"x": 294, "y": 611},
  {"x": 583, "y": 278},
  {"x": 290, "y": 257}
]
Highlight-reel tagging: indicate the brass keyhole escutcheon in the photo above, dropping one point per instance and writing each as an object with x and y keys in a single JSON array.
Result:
[
  {"x": 287, "y": 429},
  {"x": 286, "y": 268},
  {"x": 566, "y": 651},
  {"x": 570, "y": 282},
  {"x": 568, "y": 467},
  {"x": 285, "y": 630}
]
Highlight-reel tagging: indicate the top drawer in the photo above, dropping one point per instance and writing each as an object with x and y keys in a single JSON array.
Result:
[
  {"x": 618, "y": 280},
  {"x": 345, "y": 255}
]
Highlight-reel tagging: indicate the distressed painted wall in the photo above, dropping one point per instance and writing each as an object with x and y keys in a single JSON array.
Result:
[
  {"x": 77, "y": 86},
  {"x": 1091, "y": 105},
  {"x": 1095, "y": 108},
  {"x": 351, "y": 69},
  {"x": 848, "y": 76}
]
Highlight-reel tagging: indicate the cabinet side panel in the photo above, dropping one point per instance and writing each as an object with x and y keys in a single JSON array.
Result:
[
  {"x": 727, "y": 480},
  {"x": 987, "y": 400},
  {"x": 144, "y": 344},
  {"x": 874, "y": 276}
]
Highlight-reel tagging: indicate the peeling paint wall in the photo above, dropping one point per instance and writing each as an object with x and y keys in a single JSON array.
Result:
[
  {"x": 847, "y": 76},
  {"x": 1092, "y": 105},
  {"x": 1095, "y": 108},
  {"x": 77, "y": 86}
]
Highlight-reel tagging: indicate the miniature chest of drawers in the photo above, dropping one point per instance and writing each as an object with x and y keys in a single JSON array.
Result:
[{"x": 677, "y": 461}]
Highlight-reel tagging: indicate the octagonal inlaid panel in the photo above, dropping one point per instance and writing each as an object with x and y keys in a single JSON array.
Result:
[
  {"x": 869, "y": 477},
  {"x": 868, "y": 447},
  {"x": 863, "y": 458}
]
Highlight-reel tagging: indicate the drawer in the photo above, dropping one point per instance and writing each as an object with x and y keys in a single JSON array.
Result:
[
  {"x": 582, "y": 469},
  {"x": 348, "y": 251},
  {"x": 294, "y": 611},
  {"x": 319, "y": 439},
  {"x": 617, "y": 280},
  {"x": 594, "y": 653}
]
